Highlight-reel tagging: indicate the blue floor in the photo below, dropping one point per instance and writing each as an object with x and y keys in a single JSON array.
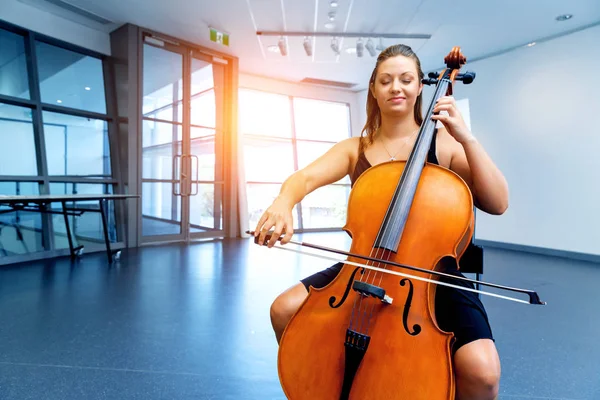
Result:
[{"x": 192, "y": 322}]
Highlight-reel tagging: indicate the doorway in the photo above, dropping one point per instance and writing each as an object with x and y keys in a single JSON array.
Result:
[{"x": 183, "y": 122}]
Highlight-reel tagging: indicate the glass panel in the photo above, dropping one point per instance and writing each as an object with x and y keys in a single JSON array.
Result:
[
  {"x": 206, "y": 208},
  {"x": 86, "y": 229},
  {"x": 321, "y": 120},
  {"x": 161, "y": 209},
  {"x": 203, "y": 94},
  {"x": 76, "y": 146},
  {"x": 203, "y": 146},
  {"x": 20, "y": 231},
  {"x": 262, "y": 113},
  {"x": 70, "y": 79},
  {"x": 325, "y": 207},
  {"x": 163, "y": 84},
  {"x": 268, "y": 160},
  {"x": 260, "y": 197},
  {"x": 310, "y": 151},
  {"x": 17, "y": 146},
  {"x": 14, "y": 80},
  {"x": 160, "y": 141}
]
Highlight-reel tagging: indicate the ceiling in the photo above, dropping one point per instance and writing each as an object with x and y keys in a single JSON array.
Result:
[{"x": 480, "y": 28}]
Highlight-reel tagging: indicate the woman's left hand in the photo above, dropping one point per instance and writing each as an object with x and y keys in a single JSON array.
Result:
[{"x": 454, "y": 122}]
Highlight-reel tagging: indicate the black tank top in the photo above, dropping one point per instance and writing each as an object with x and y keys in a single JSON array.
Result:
[{"x": 362, "y": 164}]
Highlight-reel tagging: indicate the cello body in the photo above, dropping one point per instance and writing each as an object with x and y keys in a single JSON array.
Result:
[
  {"x": 396, "y": 364},
  {"x": 373, "y": 335}
]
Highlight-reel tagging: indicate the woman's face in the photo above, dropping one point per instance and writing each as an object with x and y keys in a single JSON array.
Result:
[{"x": 397, "y": 85}]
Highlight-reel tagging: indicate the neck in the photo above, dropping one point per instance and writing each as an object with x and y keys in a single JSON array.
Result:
[{"x": 394, "y": 127}]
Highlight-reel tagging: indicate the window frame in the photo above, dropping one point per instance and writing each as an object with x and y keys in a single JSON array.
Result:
[
  {"x": 38, "y": 108},
  {"x": 293, "y": 141}
]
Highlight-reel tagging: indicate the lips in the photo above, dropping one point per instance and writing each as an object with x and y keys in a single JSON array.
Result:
[{"x": 397, "y": 99}]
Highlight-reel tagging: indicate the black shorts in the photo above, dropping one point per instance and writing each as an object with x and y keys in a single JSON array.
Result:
[{"x": 458, "y": 311}]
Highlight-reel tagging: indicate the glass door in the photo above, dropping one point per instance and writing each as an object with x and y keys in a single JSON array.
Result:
[
  {"x": 206, "y": 146},
  {"x": 162, "y": 143},
  {"x": 182, "y": 144}
]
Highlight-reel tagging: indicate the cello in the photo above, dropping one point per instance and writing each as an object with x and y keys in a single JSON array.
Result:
[{"x": 370, "y": 334}]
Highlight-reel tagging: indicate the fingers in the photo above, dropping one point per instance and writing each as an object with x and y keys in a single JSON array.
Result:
[
  {"x": 289, "y": 231},
  {"x": 276, "y": 233},
  {"x": 264, "y": 228},
  {"x": 447, "y": 103},
  {"x": 282, "y": 224}
]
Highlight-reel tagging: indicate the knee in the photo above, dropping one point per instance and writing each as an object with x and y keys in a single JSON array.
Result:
[
  {"x": 477, "y": 372},
  {"x": 487, "y": 382},
  {"x": 282, "y": 310},
  {"x": 483, "y": 383}
]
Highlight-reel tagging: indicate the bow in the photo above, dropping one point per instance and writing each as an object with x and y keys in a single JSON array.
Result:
[{"x": 533, "y": 296}]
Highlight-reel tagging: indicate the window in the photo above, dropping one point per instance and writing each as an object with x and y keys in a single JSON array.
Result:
[
  {"x": 54, "y": 139},
  {"x": 20, "y": 231},
  {"x": 14, "y": 79},
  {"x": 282, "y": 134},
  {"x": 86, "y": 229},
  {"x": 17, "y": 145},
  {"x": 70, "y": 79},
  {"x": 76, "y": 146}
]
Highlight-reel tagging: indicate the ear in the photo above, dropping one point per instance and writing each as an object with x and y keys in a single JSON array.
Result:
[{"x": 372, "y": 90}]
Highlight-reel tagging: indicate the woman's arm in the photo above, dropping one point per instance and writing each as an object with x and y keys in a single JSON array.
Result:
[
  {"x": 487, "y": 183},
  {"x": 471, "y": 162},
  {"x": 328, "y": 168}
]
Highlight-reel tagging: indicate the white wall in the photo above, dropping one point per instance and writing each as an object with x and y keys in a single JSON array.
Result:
[
  {"x": 54, "y": 26},
  {"x": 533, "y": 110}
]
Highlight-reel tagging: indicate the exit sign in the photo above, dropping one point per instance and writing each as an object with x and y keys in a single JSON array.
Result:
[{"x": 219, "y": 37}]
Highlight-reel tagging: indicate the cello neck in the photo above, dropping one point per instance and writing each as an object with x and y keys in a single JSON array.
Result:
[{"x": 396, "y": 216}]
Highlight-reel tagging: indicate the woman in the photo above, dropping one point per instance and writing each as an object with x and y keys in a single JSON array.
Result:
[{"x": 393, "y": 120}]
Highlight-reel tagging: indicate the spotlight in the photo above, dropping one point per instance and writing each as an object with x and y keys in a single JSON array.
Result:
[
  {"x": 331, "y": 15},
  {"x": 335, "y": 46},
  {"x": 380, "y": 45},
  {"x": 307, "y": 46},
  {"x": 333, "y": 3},
  {"x": 564, "y": 17},
  {"x": 370, "y": 48},
  {"x": 282, "y": 46},
  {"x": 359, "y": 48}
]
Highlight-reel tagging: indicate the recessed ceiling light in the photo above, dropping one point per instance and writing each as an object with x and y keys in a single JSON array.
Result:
[
  {"x": 351, "y": 50},
  {"x": 330, "y": 25},
  {"x": 59, "y": 101},
  {"x": 333, "y": 3},
  {"x": 273, "y": 49},
  {"x": 531, "y": 44},
  {"x": 88, "y": 88},
  {"x": 564, "y": 17}
]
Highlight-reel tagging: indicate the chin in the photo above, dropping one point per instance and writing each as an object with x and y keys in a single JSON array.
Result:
[{"x": 396, "y": 111}]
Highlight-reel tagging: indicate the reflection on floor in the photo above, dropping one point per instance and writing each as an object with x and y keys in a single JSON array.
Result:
[
  {"x": 192, "y": 322},
  {"x": 156, "y": 227}
]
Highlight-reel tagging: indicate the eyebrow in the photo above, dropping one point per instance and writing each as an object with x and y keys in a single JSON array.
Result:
[{"x": 404, "y": 73}]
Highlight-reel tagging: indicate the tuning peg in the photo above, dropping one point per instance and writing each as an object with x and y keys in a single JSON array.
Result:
[{"x": 467, "y": 77}]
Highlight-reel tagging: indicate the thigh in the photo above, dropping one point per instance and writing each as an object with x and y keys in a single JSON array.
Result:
[
  {"x": 322, "y": 278},
  {"x": 462, "y": 313}
]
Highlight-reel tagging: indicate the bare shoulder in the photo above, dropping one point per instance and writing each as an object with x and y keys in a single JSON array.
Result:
[{"x": 351, "y": 146}]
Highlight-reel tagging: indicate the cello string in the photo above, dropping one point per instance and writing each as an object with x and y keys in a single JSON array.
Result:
[{"x": 441, "y": 86}]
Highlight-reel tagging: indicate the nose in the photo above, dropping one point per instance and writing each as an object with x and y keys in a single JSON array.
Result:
[{"x": 395, "y": 88}]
